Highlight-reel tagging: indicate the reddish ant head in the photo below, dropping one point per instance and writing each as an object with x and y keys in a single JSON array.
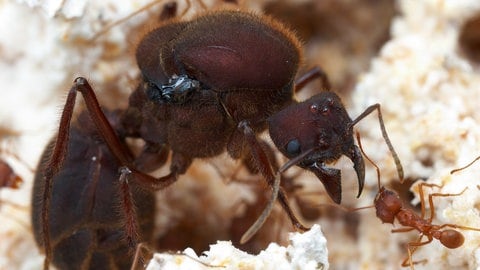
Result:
[
  {"x": 387, "y": 205},
  {"x": 322, "y": 126},
  {"x": 451, "y": 238}
]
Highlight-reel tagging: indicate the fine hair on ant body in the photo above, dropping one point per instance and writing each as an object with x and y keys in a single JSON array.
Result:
[
  {"x": 389, "y": 207},
  {"x": 208, "y": 85}
]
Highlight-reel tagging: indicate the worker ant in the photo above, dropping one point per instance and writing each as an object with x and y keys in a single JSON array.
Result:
[
  {"x": 207, "y": 86},
  {"x": 389, "y": 207}
]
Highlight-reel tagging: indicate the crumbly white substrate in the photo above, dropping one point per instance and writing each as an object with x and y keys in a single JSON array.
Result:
[
  {"x": 428, "y": 90},
  {"x": 306, "y": 251}
]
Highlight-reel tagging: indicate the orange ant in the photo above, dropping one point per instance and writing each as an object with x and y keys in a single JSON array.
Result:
[{"x": 389, "y": 207}]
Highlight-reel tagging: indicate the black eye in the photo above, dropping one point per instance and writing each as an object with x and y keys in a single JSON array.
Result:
[{"x": 293, "y": 147}]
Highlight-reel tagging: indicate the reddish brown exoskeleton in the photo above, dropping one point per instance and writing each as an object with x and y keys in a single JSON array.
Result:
[{"x": 389, "y": 207}]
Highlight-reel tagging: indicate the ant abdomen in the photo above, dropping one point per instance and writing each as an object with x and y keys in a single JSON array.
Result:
[
  {"x": 86, "y": 223},
  {"x": 451, "y": 238}
]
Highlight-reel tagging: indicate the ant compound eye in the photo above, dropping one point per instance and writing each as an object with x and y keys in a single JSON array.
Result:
[{"x": 293, "y": 147}]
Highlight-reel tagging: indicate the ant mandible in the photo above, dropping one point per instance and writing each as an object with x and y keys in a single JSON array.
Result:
[
  {"x": 389, "y": 207},
  {"x": 207, "y": 86}
]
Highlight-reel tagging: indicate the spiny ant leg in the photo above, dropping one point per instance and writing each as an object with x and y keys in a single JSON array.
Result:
[
  {"x": 118, "y": 149},
  {"x": 131, "y": 225},
  {"x": 59, "y": 151},
  {"x": 54, "y": 164},
  {"x": 106, "y": 131},
  {"x": 115, "y": 145},
  {"x": 369, "y": 110}
]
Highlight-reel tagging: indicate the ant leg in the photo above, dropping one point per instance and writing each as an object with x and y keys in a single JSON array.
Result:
[
  {"x": 402, "y": 230},
  {"x": 273, "y": 179},
  {"x": 311, "y": 75},
  {"x": 430, "y": 198},
  {"x": 115, "y": 145},
  {"x": 131, "y": 225},
  {"x": 369, "y": 110},
  {"x": 53, "y": 166},
  {"x": 128, "y": 17},
  {"x": 139, "y": 257},
  {"x": 411, "y": 248},
  {"x": 461, "y": 227},
  {"x": 118, "y": 149}
]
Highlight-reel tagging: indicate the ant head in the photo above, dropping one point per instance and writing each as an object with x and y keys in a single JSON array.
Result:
[
  {"x": 387, "y": 205},
  {"x": 319, "y": 123},
  {"x": 315, "y": 132}
]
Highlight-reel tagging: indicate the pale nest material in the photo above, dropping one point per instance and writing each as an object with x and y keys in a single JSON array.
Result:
[
  {"x": 428, "y": 89},
  {"x": 307, "y": 251}
]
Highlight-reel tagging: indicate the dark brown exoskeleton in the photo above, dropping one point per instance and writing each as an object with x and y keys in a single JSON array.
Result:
[
  {"x": 85, "y": 218},
  {"x": 207, "y": 86}
]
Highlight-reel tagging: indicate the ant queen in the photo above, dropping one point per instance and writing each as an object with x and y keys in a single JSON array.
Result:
[{"x": 207, "y": 86}]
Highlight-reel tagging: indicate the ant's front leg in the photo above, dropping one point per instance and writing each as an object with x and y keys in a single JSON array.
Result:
[{"x": 264, "y": 165}]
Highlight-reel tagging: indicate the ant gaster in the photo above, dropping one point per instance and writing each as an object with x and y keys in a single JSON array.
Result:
[{"x": 207, "y": 85}]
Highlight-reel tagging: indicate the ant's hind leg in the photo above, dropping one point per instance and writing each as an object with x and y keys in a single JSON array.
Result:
[{"x": 411, "y": 248}]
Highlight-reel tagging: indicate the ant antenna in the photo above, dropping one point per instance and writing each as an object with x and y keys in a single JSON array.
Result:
[
  {"x": 266, "y": 212},
  {"x": 464, "y": 167},
  {"x": 140, "y": 10},
  {"x": 370, "y": 109}
]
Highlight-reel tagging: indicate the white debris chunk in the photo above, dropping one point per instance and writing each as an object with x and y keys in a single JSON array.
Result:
[{"x": 306, "y": 251}]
